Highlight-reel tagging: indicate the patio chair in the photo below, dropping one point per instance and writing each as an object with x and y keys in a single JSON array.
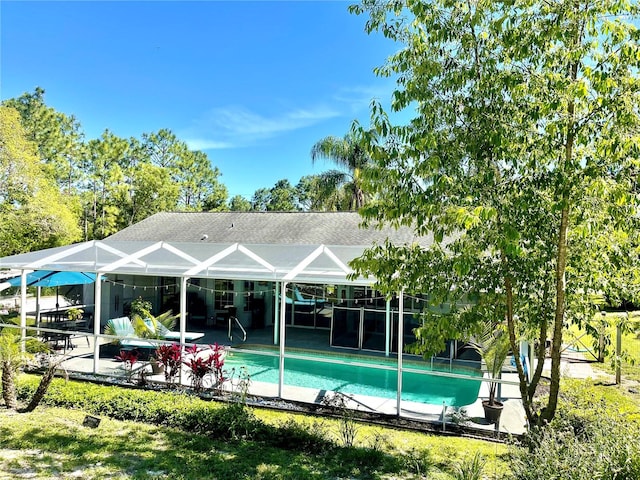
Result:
[
  {"x": 166, "y": 334},
  {"x": 123, "y": 328},
  {"x": 120, "y": 327},
  {"x": 304, "y": 303}
]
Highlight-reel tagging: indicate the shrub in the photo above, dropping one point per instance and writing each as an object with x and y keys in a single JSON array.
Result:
[
  {"x": 418, "y": 461},
  {"x": 235, "y": 421},
  {"x": 592, "y": 436},
  {"x": 291, "y": 435}
]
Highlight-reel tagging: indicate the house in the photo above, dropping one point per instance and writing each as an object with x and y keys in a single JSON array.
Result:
[
  {"x": 248, "y": 275},
  {"x": 238, "y": 262}
]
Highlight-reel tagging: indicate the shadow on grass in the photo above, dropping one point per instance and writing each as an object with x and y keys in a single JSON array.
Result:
[{"x": 54, "y": 441}]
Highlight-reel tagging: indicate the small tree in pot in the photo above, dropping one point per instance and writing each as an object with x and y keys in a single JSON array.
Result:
[{"x": 493, "y": 346}]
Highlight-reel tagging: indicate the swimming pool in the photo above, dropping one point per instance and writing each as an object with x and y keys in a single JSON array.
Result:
[{"x": 362, "y": 376}]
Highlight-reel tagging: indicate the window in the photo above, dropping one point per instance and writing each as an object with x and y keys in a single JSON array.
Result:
[
  {"x": 248, "y": 296},
  {"x": 223, "y": 294}
]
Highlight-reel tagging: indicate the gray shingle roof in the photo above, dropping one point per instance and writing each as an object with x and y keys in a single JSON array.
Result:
[{"x": 328, "y": 228}]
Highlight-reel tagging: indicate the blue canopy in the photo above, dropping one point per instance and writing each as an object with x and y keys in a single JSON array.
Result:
[{"x": 48, "y": 278}]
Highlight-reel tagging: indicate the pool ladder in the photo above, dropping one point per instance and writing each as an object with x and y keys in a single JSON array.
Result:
[{"x": 233, "y": 321}]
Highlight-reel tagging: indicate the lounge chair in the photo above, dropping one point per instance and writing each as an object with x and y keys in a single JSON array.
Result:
[
  {"x": 305, "y": 303},
  {"x": 167, "y": 334},
  {"x": 123, "y": 328}
]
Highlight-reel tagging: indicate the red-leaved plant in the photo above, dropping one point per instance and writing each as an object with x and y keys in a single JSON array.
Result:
[
  {"x": 129, "y": 358},
  {"x": 218, "y": 365},
  {"x": 200, "y": 365},
  {"x": 170, "y": 355}
]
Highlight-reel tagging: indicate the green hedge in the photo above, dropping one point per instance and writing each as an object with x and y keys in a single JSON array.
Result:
[
  {"x": 167, "y": 408},
  {"x": 173, "y": 409}
]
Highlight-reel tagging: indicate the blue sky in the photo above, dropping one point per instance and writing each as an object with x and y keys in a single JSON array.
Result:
[{"x": 253, "y": 84}]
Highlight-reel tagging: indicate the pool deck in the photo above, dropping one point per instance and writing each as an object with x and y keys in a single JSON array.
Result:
[{"x": 513, "y": 419}]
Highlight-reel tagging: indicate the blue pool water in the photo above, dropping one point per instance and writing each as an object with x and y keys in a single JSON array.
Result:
[{"x": 361, "y": 379}]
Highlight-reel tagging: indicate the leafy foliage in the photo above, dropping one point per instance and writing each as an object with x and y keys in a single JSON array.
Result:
[
  {"x": 493, "y": 346},
  {"x": 15, "y": 352},
  {"x": 591, "y": 437},
  {"x": 351, "y": 160},
  {"x": 203, "y": 361},
  {"x": 129, "y": 359},
  {"x": 34, "y": 214},
  {"x": 521, "y": 164},
  {"x": 103, "y": 184},
  {"x": 169, "y": 355}
]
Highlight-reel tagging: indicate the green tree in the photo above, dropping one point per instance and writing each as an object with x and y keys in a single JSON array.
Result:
[
  {"x": 351, "y": 160},
  {"x": 239, "y": 204},
  {"x": 260, "y": 200},
  {"x": 152, "y": 191},
  {"x": 34, "y": 214},
  {"x": 315, "y": 195},
  {"x": 282, "y": 197},
  {"x": 190, "y": 170},
  {"x": 521, "y": 162},
  {"x": 57, "y": 136},
  {"x": 109, "y": 158}
]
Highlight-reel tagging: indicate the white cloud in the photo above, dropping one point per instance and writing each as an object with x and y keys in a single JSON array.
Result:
[
  {"x": 357, "y": 99},
  {"x": 230, "y": 127},
  {"x": 239, "y": 126},
  {"x": 205, "y": 144}
]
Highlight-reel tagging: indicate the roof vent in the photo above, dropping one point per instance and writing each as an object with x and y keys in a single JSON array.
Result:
[{"x": 204, "y": 237}]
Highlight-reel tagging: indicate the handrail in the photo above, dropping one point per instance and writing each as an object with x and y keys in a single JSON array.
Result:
[{"x": 230, "y": 334}]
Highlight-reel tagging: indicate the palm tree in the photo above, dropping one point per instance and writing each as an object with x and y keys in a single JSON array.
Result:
[
  {"x": 351, "y": 159},
  {"x": 12, "y": 358}
]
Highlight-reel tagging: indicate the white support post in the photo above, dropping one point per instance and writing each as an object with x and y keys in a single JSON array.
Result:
[
  {"x": 361, "y": 329},
  {"x": 276, "y": 315},
  {"x": 282, "y": 325},
  {"x": 525, "y": 357},
  {"x": 97, "y": 314},
  {"x": 400, "y": 348},
  {"x": 38, "y": 292},
  {"x": 183, "y": 308},
  {"x": 387, "y": 330},
  {"x": 23, "y": 309},
  {"x": 183, "y": 319}
]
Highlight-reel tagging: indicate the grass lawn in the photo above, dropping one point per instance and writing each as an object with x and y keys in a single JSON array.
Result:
[{"x": 52, "y": 443}]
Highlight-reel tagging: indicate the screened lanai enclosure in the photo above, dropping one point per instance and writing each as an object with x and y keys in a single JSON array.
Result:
[{"x": 290, "y": 314}]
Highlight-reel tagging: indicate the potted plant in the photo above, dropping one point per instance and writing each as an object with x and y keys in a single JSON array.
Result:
[
  {"x": 156, "y": 367},
  {"x": 493, "y": 346},
  {"x": 75, "y": 314}
]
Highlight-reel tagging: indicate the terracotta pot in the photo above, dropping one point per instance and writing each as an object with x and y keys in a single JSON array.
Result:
[
  {"x": 492, "y": 412},
  {"x": 156, "y": 368}
]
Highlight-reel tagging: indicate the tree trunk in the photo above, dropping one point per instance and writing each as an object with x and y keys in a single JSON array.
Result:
[
  {"x": 9, "y": 386},
  {"x": 556, "y": 346},
  {"x": 515, "y": 347},
  {"x": 45, "y": 381},
  {"x": 561, "y": 264}
]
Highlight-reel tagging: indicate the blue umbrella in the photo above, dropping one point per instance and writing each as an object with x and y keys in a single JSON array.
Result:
[{"x": 48, "y": 278}]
